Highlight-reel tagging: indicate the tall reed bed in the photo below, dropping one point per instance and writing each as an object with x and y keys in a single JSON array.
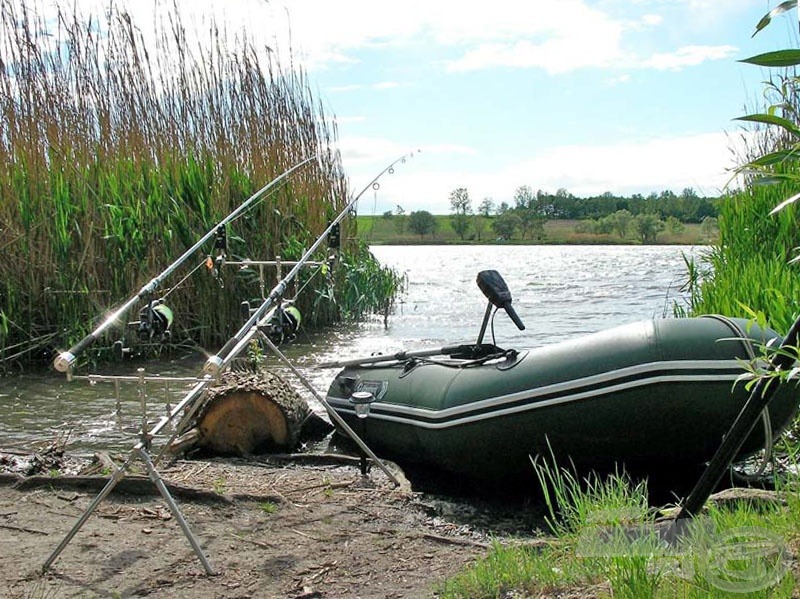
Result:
[
  {"x": 118, "y": 150},
  {"x": 749, "y": 271}
]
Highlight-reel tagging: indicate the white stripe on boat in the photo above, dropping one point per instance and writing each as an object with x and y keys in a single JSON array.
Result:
[{"x": 384, "y": 411}]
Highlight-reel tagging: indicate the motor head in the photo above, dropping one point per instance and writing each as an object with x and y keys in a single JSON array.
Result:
[
  {"x": 494, "y": 287},
  {"x": 496, "y": 291}
]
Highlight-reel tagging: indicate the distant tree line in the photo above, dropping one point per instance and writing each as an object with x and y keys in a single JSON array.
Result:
[
  {"x": 603, "y": 214},
  {"x": 688, "y": 207}
]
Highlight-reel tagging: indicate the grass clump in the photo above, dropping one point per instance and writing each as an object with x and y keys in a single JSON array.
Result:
[
  {"x": 524, "y": 570},
  {"x": 219, "y": 486},
  {"x": 268, "y": 507},
  {"x": 607, "y": 543},
  {"x": 749, "y": 271}
]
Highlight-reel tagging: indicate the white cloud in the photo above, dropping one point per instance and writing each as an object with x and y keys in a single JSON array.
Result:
[
  {"x": 688, "y": 56},
  {"x": 702, "y": 161},
  {"x": 556, "y": 55},
  {"x": 555, "y": 35},
  {"x": 652, "y": 20},
  {"x": 553, "y": 30}
]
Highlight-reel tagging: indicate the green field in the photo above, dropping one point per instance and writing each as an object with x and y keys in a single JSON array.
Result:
[{"x": 379, "y": 230}]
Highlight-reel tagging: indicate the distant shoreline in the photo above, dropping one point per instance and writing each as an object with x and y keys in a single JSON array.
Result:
[{"x": 377, "y": 230}]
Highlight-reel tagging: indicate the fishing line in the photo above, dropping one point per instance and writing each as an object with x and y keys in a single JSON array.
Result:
[
  {"x": 179, "y": 283},
  {"x": 313, "y": 274},
  {"x": 32, "y": 343}
]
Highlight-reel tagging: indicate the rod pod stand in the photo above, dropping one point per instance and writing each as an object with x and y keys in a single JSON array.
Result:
[
  {"x": 141, "y": 452},
  {"x": 65, "y": 360},
  {"x": 756, "y": 403}
]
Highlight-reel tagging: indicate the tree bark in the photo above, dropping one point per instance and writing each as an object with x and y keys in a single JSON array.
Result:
[{"x": 248, "y": 413}]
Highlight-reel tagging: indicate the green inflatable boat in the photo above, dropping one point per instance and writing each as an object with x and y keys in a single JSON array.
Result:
[{"x": 649, "y": 395}]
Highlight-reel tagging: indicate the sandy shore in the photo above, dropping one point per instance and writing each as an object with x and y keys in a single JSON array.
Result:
[{"x": 267, "y": 529}]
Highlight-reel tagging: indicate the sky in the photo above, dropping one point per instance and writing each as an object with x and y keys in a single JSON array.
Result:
[{"x": 591, "y": 96}]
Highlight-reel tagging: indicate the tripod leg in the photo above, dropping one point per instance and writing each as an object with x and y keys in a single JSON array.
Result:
[
  {"x": 118, "y": 475},
  {"x": 162, "y": 488}
]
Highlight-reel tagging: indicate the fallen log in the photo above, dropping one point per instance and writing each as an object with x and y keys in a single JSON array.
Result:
[{"x": 244, "y": 414}]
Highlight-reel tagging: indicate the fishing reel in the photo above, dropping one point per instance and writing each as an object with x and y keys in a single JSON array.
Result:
[
  {"x": 153, "y": 328},
  {"x": 282, "y": 326},
  {"x": 155, "y": 320}
]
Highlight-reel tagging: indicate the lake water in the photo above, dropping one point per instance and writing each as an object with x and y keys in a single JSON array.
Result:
[{"x": 558, "y": 291}]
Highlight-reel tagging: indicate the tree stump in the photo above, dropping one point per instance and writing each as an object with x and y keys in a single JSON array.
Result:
[{"x": 249, "y": 413}]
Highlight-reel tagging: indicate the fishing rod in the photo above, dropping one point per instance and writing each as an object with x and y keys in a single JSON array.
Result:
[
  {"x": 217, "y": 363},
  {"x": 189, "y": 405},
  {"x": 65, "y": 360}
]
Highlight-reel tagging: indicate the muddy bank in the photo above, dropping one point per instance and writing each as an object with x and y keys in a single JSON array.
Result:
[{"x": 269, "y": 529}]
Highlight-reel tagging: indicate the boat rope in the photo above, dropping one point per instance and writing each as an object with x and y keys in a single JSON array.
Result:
[
  {"x": 747, "y": 343},
  {"x": 507, "y": 354}
]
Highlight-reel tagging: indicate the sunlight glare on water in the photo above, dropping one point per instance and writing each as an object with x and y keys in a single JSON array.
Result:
[{"x": 558, "y": 291}]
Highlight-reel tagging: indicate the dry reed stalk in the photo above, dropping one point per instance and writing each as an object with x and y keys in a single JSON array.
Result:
[{"x": 115, "y": 156}]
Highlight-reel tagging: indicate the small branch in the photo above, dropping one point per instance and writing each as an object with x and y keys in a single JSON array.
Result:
[
  {"x": 454, "y": 540},
  {"x": 23, "y": 529}
]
